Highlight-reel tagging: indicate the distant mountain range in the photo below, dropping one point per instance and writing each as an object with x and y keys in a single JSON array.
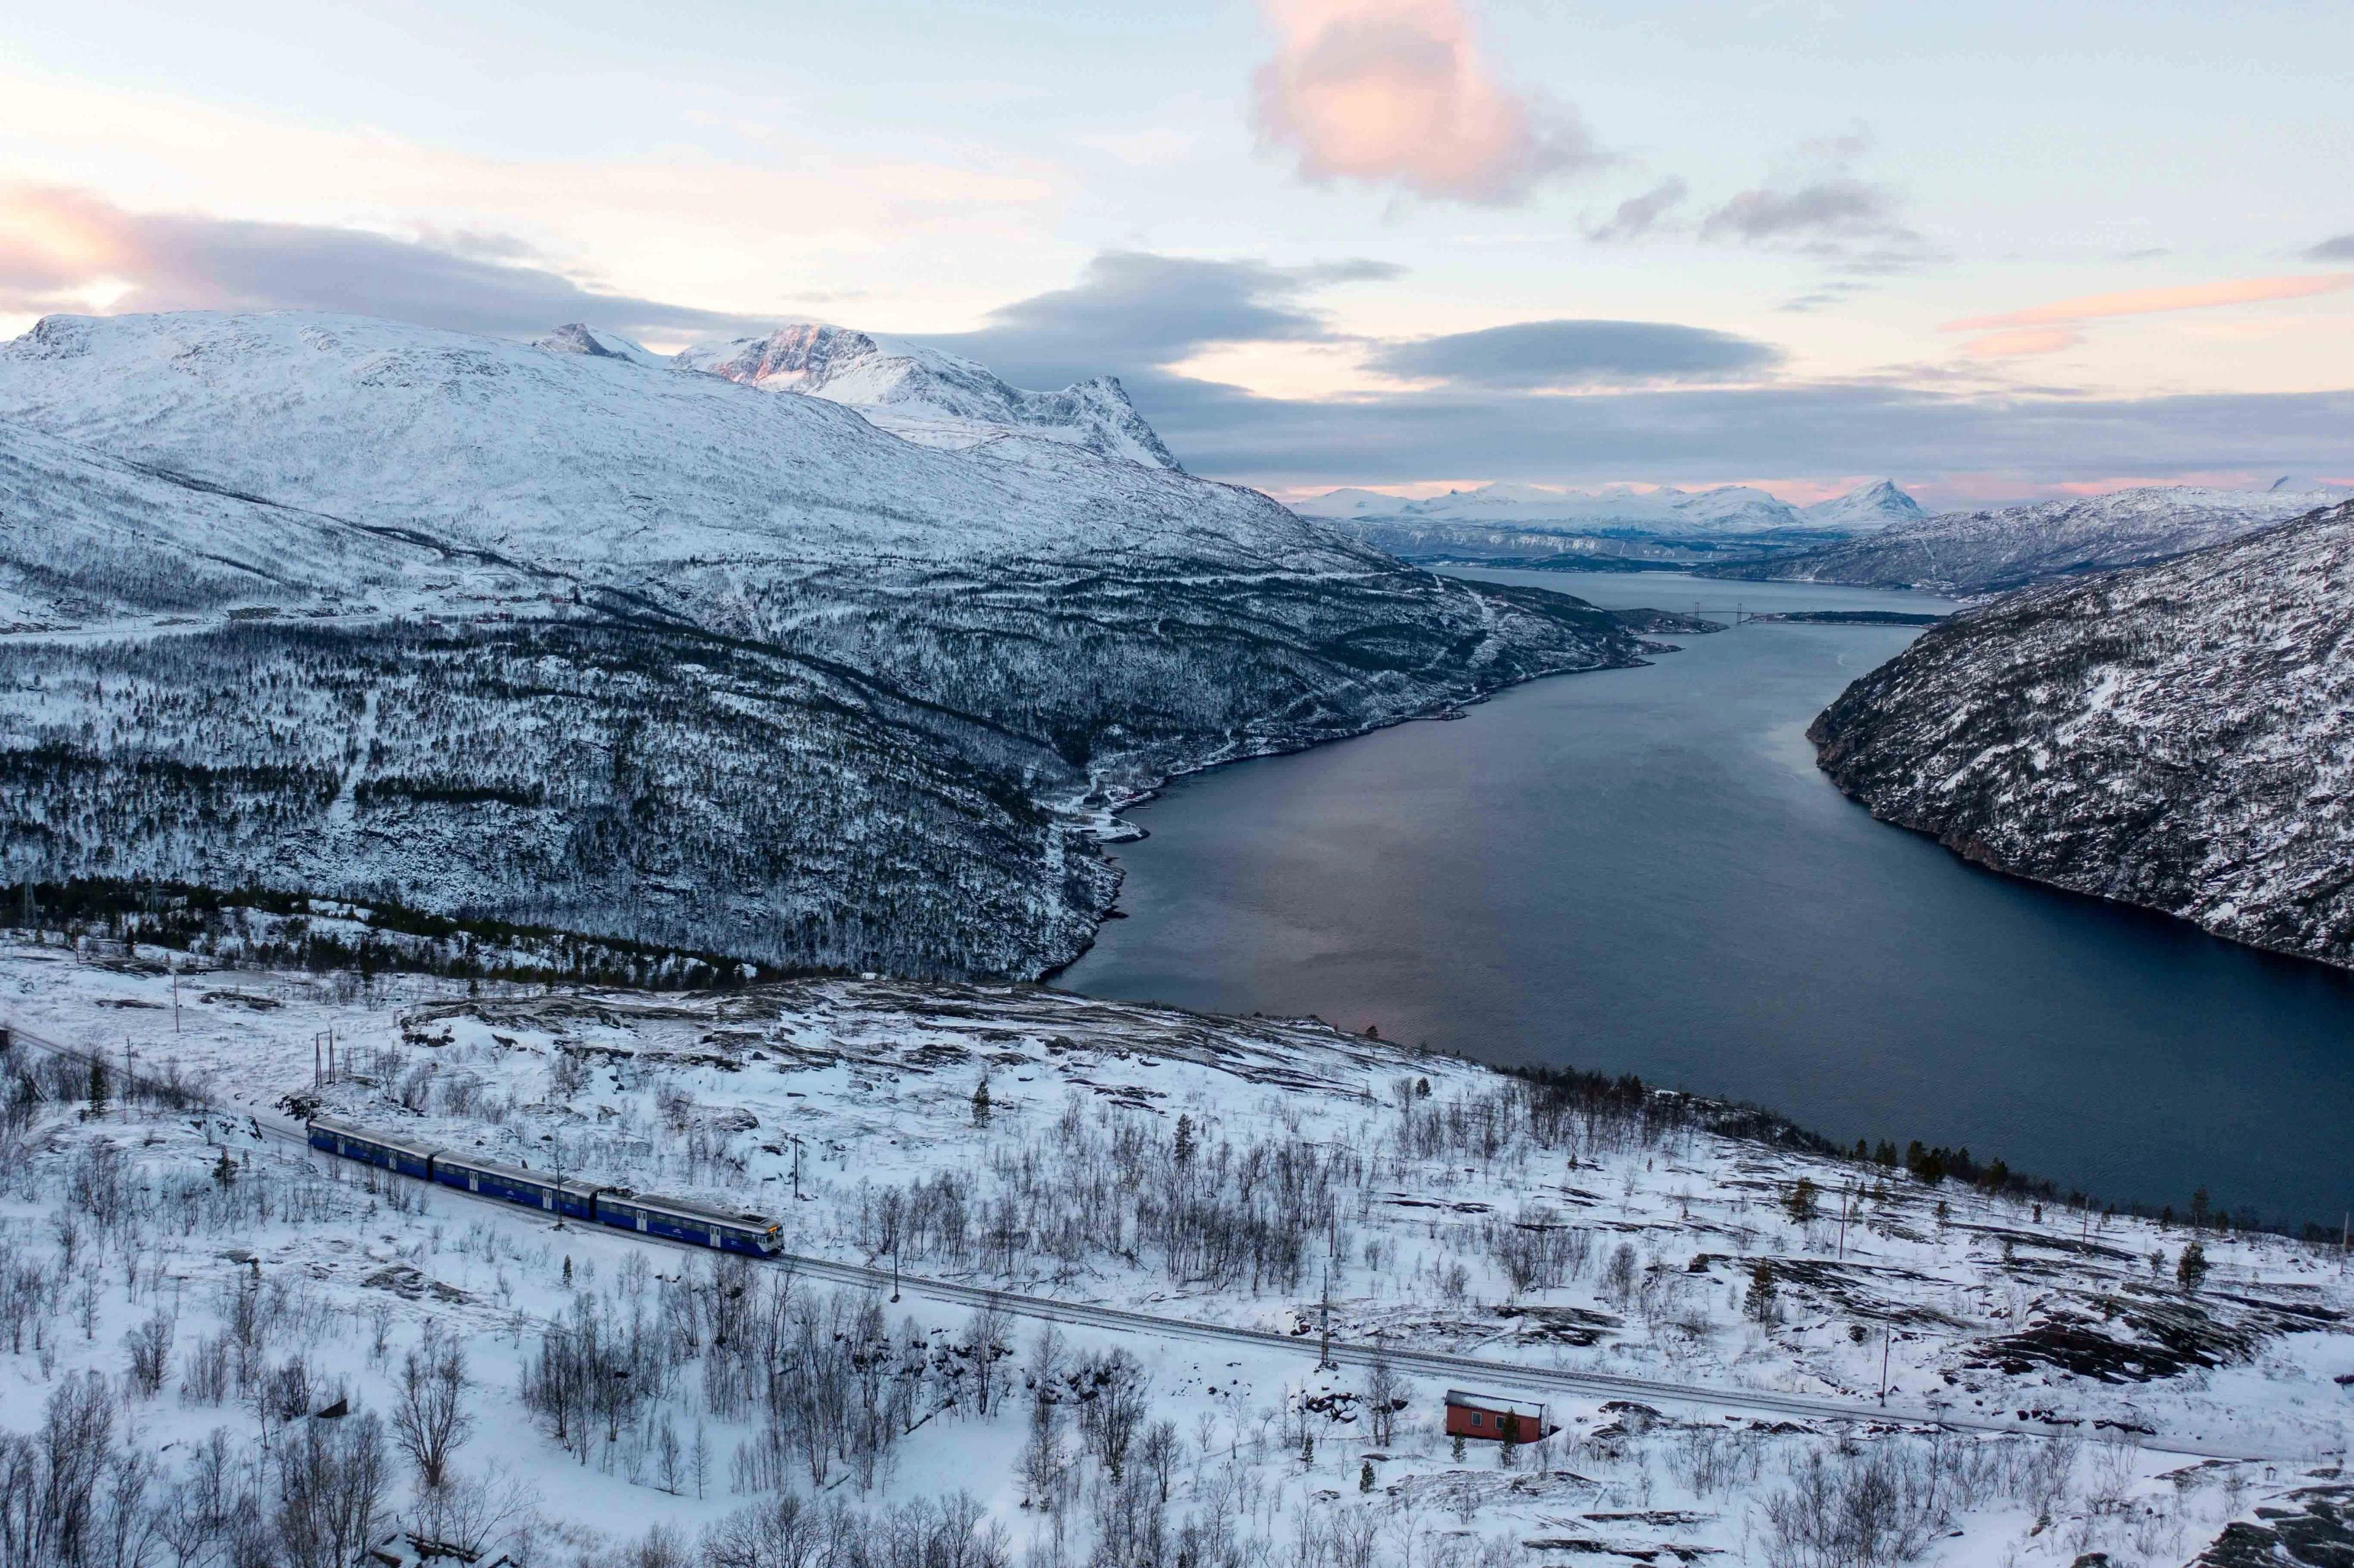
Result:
[
  {"x": 2172, "y": 735},
  {"x": 1666, "y": 512},
  {"x": 1976, "y": 553},
  {"x": 573, "y": 636}
]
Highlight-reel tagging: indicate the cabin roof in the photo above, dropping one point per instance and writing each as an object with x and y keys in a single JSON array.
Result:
[{"x": 1488, "y": 1402}]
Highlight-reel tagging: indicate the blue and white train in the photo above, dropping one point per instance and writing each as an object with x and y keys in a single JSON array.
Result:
[{"x": 673, "y": 1219}]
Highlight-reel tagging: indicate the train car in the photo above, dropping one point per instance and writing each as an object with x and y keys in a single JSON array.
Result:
[
  {"x": 515, "y": 1184},
  {"x": 385, "y": 1150},
  {"x": 674, "y": 1219}
]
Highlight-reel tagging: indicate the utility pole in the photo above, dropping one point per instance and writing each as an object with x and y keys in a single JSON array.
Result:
[
  {"x": 315, "y": 1081},
  {"x": 1844, "y": 1207},
  {"x": 127, "y": 1079},
  {"x": 176, "y": 998},
  {"x": 1883, "y": 1366},
  {"x": 1324, "y": 1340}
]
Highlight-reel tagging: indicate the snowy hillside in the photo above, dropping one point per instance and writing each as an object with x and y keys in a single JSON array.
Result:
[
  {"x": 1970, "y": 552},
  {"x": 2175, "y": 737},
  {"x": 1177, "y": 1288},
  {"x": 925, "y": 395},
  {"x": 525, "y": 634}
]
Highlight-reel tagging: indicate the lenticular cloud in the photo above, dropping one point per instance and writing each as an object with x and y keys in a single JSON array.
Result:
[{"x": 1396, "y": 92}]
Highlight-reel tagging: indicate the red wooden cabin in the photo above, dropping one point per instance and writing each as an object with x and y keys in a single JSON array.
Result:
[{"x": 1498, "y": 1419}]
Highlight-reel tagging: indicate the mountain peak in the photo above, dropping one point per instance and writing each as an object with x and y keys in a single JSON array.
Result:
[
  {"x": 578, "y": 337},
  {"x": 1879, "y": 504},
  {"x": 923, "y": 395}
]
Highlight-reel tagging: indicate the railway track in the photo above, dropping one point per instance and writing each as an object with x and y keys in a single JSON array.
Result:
[{"x": 1513, "y": 1375}]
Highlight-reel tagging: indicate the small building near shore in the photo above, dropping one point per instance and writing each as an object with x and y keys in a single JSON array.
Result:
[{"x": 1497, "y": 1420}]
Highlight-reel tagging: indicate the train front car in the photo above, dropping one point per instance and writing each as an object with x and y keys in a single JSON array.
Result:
[{"x": 697, "y": 1225}]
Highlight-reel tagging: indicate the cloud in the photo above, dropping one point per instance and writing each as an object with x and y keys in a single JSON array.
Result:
[
  {"x": 2047, "y": 329},
  {"x": 1639, "y": 215},
  {"x": 1574, "y": 353},
  {"x": 1132, "y": 310},
  {"x": 1817, "y": 204},
  {"x": 2022, "y": 342},
  {"x": 1700, "y": 435},
  {"x": 816, "y": 209},
  {"x": 1840, "y": 209},
  {"x": 2337, "y": 247},
  {"x": 69, "y": 249},
  {"x": 1396, "y": 92}
]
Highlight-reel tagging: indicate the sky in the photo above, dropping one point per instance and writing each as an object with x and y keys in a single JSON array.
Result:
[{"x": 1993, "y": 251}]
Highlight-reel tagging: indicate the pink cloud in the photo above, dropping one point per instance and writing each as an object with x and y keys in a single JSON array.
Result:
[
  {"x": 2022, "y": 341},
  {"x": 1396, "y": 92},
  {"x": 2048, "y": 329}
]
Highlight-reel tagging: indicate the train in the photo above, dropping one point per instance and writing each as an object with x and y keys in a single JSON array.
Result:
[{"x": 673, "y": 1219}]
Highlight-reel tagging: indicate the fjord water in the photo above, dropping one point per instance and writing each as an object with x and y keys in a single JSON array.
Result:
[{"x": 1642, "y": 871}]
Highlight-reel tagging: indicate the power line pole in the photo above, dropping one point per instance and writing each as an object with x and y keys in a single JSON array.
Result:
[{"x": 1324, "y": 1341}]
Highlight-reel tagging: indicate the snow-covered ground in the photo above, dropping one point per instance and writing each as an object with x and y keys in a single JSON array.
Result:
[{"x": 1197, "y": 1170}]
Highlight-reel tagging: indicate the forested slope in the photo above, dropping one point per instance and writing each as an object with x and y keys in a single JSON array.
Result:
[
  {"x": 334, "y": 606},
  {"x": 2176, "y": 736}
]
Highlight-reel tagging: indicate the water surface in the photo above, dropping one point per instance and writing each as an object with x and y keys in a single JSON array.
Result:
[{"x": 1642, "y": 871}]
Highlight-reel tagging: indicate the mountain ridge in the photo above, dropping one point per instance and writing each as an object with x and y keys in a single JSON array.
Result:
[
  {"x": 2172, "y": 735},
  {"x": 566, "y": 638},
  {"x": 930, "y": 396},
  {"x": 1966, "y": 554}
]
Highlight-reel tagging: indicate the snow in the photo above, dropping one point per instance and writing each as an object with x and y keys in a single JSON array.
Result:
[
  {"x": 1868, "y": 507},
  {"x": 1971, "y": 554},
  {"x": 927, "y": 397},
  {"x": 2172, "y": 735},
  {"x": 594, "y": 458},
  {"x": 883, "y": 688},
  {"x": 1728, "y": 509},
  {"x": 710, "y": 1094}
]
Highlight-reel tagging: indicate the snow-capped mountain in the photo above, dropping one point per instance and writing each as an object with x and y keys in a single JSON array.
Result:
[
  {"x": 1864, "y": 509},
  {"x": 1728, "y": 509},
  {"x": 562, "y": 635},
  {"x": 2175, "y": 736},
  {"x": 1970, "y": 552},
  {"x": 925, "y": 395}
]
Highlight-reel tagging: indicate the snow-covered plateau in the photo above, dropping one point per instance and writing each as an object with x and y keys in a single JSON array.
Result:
[
  {"x": 2174, "y": 736},
  {"x": 1067, "y": 1281},
  {"x": 567, "y": 636},
  {"x": 1970, "y": 554}
]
